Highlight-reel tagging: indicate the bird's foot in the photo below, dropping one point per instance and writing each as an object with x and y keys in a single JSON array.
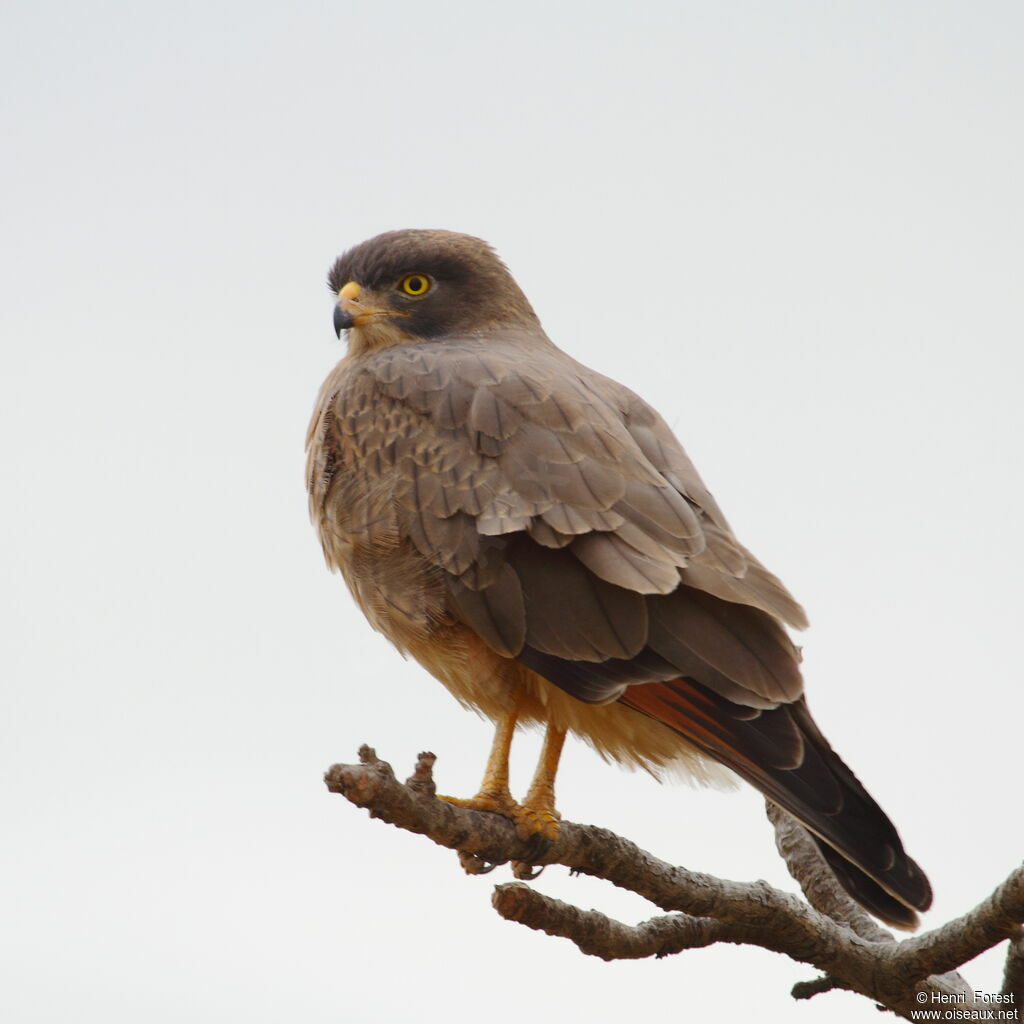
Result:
[
  {"x": 495, "y": 801},
  {"x": 536, "y": 824},
  {"x": 537, "y": 821},
  {"x": 532, "y": 821}
]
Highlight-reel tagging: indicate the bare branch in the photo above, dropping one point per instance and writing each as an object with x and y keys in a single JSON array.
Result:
[
  {"x": 824, "y": 893},
  {"x": 810, "y": 989},
  {"x": 1013, "y": 974},
  {"x": 819, "y": 885},
  {"x": 598, "y": 935},
  {"x": 996, "y": 918},
  {"x": 837, "y": 937}
]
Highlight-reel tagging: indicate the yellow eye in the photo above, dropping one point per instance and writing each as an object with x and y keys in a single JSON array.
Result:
[{"x": 415, "y": 284}]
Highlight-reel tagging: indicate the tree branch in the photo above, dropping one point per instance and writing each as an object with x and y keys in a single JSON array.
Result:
[
  {"x": 808, "y": 868},
  {"x": 810, "y": 989},
  {"x": 1013, "y": 973},
  {"x": 832, "y": 933},
  {"x": 598, "y": 935},
  {"x": 996, "y": 918}
]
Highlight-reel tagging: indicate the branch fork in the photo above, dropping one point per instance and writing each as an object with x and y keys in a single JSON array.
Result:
[{"x": 829, "y": 931}]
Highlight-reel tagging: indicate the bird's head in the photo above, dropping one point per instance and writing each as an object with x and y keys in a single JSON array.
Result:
[{"x": 415, "y": 285}]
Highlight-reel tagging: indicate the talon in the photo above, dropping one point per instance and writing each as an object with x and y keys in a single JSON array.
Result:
[
  {"x": 525, "y": 872},
  {"x": 474, "y": 865},
  {"x": 538, "y": 828},
  {"x": 536, "y": 846}
]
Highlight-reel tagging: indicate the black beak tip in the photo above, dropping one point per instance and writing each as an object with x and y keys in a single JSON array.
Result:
[{"x": 343, "y": 320}]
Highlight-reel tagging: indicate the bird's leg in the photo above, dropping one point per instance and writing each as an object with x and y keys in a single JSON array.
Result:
[
  {"x": 494, "y": 793},
  {"x": 537, "y": 814},
  {"x": 536, "y": 819}
]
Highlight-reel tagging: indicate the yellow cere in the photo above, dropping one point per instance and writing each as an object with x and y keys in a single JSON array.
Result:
[
  {"x": 415, "y": 284},
  {"x": 350, "y": 291}
]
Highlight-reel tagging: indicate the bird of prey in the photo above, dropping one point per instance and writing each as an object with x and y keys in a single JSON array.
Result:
[{"x": 534, "y": 535}]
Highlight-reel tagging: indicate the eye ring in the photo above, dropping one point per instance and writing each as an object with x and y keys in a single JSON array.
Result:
[{"x": 415, "y": 285}]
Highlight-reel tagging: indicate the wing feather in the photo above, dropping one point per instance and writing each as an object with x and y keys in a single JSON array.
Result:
[{"x": 566, "y": 515}]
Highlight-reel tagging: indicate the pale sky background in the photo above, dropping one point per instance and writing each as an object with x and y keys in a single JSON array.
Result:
[{"x": 795, "y": 228}]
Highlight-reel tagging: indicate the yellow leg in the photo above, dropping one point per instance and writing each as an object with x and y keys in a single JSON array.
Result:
[
  {"x": 494, "y": 793},
  {"x": 536, "y": 818},
  {"x": 537, "y": 814}
]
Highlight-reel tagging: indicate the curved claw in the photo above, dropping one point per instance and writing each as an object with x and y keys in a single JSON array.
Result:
[
  {"x": 524, "y": 870},
  {"x": 537, "y": 845},
  {"x": 474, "y": 865}
]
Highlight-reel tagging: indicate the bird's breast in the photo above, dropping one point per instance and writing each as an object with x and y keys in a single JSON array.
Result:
[{"x": 353, "y": 478}]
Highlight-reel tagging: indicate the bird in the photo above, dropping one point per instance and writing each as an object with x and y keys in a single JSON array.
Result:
[{"x": 534, "y": 535}]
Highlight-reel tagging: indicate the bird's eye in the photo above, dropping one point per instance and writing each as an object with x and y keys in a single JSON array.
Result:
[{"x": 415, "y": 284}]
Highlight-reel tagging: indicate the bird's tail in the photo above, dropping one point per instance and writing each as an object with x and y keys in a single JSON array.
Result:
[{"x": 783, "y": 753}]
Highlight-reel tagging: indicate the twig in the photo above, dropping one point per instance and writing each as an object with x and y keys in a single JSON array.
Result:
[
  {"x": 807, "y": 866},
  {"x": 824, "y": 893},
  {"x": 996, "y": 918},
  {"x": 1013, "y": 974},
  {"x": 810, "y": 989},
  {"x": 598, "y": 935}
]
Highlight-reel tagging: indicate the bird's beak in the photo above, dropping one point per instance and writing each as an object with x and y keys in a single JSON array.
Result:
[
  {"x": 353, "y": 310},
  {"x": 347, "y": 309},
  {"x": 343, "y": 320}
]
